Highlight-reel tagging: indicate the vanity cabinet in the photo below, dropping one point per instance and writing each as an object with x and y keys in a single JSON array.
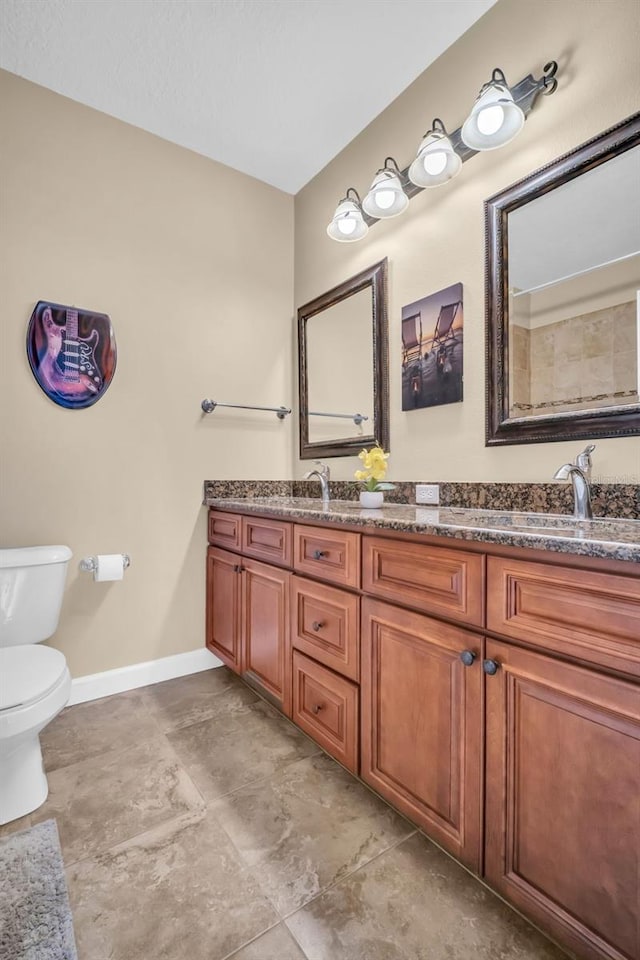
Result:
[
  {"x": 562, "y": 831},
  {"x": 489, "y": 693}
]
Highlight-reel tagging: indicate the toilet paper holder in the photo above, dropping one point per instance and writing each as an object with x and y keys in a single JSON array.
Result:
[{"x": 90, "y": 564}]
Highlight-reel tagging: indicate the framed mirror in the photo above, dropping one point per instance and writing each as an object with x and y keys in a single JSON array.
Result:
[
  {"x": 563, "y": 296},
  {"x": 343, "y": 366}
]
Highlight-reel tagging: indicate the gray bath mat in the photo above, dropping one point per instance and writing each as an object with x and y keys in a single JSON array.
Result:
[{"x": 35, "y": 917}]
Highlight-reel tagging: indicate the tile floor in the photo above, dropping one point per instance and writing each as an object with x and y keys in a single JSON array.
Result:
[{"x": 198, "y": 824}]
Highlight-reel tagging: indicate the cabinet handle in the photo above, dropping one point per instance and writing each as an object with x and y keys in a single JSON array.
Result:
[
  {"x": 316, "y": 625},
  {"x": 467, "y": 657},
  {"x": 317, "y": 708},
  {"x": 237, "y": 568},
  {"x": 490, "y": 667},
  {"x": 319, "y": 554}
]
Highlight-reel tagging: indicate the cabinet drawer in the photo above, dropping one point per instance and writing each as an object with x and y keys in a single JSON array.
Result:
[
  {"x": 225, "y": 529},
  {"x": 325, "y": 623},
  {"x": 326, "y": 707},
  {"x": 267, "y": 540},
  {"x": 327, "y": 554},
  {"x": 583, "y": 613},
  {"x": 435, "y": 580}
]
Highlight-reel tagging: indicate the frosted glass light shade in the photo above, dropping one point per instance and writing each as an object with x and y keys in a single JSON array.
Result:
[
  {"x": 348, "y": 223},
  {"x": 495, "y": 119},
  {"x": 436, "y": 162},
  {"x": 386, "y": 198}
]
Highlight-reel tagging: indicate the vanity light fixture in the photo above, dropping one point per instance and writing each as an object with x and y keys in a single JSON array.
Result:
[
  {"x": 496, "y": 117},
  {"x": 348, "y": 224},
  {"x": 437, "y": 161},
  {"x": 386, "y": 197}
]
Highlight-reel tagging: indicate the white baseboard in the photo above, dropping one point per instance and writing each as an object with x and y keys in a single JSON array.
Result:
[{"x": 97, "y": 685}]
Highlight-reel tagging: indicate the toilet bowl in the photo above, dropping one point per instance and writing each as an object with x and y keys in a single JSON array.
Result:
[{"x": 35, "y": 683}]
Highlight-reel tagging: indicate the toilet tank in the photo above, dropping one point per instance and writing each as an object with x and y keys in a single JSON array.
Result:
[{"x": 31, "y": 589}]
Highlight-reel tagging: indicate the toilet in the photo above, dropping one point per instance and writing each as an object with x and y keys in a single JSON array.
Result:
[{"x": 35, "y": 683}]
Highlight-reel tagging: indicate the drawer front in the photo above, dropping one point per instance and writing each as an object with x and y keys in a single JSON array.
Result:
[
  {"x": 332, "y": 555},
  {"x": 225, "y": 529},
  {"x": 325, "y": 624},
  {"x": 436, "y": 580},
  {"x": 267, "y": 540},
  {"x": 326, "y": 707},
  {"x": 582, "y": 613}
]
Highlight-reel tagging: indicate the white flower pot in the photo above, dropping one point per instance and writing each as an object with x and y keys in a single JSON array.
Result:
[{"x": 371, "y": 499}]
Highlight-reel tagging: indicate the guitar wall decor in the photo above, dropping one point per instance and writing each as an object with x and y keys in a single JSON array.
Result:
[{"x": 72, "y": 353}]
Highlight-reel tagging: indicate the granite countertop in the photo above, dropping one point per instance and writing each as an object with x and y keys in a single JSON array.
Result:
[{"x": 609, "y": 538}]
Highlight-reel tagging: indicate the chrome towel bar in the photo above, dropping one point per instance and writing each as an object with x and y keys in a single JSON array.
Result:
[
  {"x": 357, "y": 418},
  {"x": 208, "y": 406}
]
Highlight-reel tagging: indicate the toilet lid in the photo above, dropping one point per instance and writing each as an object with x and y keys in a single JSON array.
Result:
[{"x": 28, "y": 672}]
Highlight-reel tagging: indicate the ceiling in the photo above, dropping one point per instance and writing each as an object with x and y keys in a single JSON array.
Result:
[{"x": 274, "y": 88}]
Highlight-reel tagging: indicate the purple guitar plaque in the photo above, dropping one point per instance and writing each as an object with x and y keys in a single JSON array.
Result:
[{"x": 72, "y": 353}]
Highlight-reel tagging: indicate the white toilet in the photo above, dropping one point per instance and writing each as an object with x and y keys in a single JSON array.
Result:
[{"x": 35, "y": 682}]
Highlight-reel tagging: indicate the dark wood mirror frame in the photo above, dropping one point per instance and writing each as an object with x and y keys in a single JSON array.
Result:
[
  {"x": 376, "y": 278},
  {"x": 587, "y": 424}
]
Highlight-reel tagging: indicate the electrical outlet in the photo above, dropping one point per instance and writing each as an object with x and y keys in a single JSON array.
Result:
[{"x": 428, "y": 493}]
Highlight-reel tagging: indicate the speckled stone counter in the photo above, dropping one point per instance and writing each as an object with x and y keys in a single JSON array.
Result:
[{"x": 606, "y": 538}]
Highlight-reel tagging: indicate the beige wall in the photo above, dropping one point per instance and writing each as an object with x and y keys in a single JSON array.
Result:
[
  {"x": 440, "y": 240},
  {"x": 194, "y": 264}
]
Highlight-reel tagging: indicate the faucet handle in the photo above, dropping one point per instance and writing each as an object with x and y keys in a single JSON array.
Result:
[
  {"x": 583, "y": 460},
  {"x": 325, "y": 469}
]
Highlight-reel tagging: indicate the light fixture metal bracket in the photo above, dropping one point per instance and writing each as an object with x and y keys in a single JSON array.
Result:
[{"x": 525, "y": 93}]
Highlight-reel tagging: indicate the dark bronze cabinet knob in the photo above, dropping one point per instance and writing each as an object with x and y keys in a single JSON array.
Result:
[
  {"x": 490, "y": 667},
  {"x": 319, "y": 554},
  {"x": 237, "y": 568},
  {"x": 317, "y": 708},
  {"x": 467, "y": 657},
  {"x": 316, "y": 626}
]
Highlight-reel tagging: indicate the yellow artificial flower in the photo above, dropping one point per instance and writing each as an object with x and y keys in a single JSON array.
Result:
[{"x": 375, "y": 465}]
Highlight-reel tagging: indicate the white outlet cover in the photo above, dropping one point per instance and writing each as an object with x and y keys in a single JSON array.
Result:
[{"x": 428, "y": 493}]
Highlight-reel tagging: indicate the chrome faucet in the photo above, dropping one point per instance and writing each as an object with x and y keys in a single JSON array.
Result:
[
  {"x": 323, "y": 475},
  {"x": 580, "y": 475}
]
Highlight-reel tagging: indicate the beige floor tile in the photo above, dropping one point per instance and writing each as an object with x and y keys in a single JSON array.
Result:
[
  {"x": 101, "y": 802},
  {"x": 276, "y": 944},
  {"x": 225, "y": 753},
  {"x": 180, "y": 892},
  {"x": 415, "y": 903},
  {"x": 186, "y": 700},
  {"x": 15, "y": 825},
  {"x": 306, "y": 827},
  {"x": 92, "y": 729}
]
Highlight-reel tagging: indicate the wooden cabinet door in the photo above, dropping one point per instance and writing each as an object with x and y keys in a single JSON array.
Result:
[
  {"x": 265, "y": 631},
  {"x": 563, "y": 799},
  {"x": 223, "y": 606},
  {"x": 422, "y": 723}
]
